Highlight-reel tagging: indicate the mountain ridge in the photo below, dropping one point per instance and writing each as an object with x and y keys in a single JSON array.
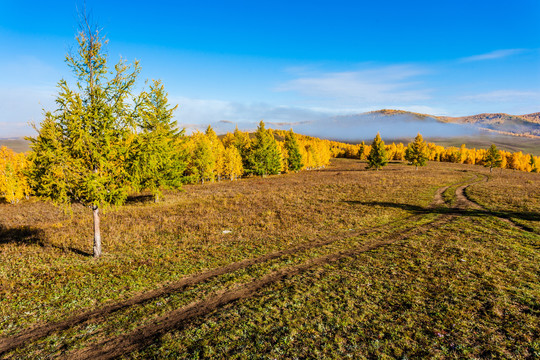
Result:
[{"x": 527, "y": 125}]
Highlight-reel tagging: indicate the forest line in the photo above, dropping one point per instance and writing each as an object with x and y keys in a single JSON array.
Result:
[{"x": 206, "y": 157}]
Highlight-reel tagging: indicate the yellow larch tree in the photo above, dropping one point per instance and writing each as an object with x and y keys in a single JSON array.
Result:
[{"x": 13, "y": 182}]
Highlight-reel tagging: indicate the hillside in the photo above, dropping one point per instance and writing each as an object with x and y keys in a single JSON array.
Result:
[
  {"x": 516, "y": 125},
  {"x": 521, "y": 125},
  {"x": 336, "y": 263},
  {"x": 395, "y": 124},
  {"x": 511, "y": 132}
]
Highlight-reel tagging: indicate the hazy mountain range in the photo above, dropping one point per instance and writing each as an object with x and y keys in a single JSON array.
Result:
[
  {"x": 514, "y": 132},
  {"x": 519, "y": 125},
  {"x": 404, "y": 124}
]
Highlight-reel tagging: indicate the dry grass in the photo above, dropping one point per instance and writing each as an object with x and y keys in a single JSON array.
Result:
[
  {"x": 515, "y": 194},
  {"x": 46, "y": 273}
]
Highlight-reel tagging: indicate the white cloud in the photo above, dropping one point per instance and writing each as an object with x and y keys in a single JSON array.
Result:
[
  {"x": 382, "y": 85},
  {"x": 224, "y": 115},
  {"x": 497, "y": 54},
  {"x": 504, "y": 96}
]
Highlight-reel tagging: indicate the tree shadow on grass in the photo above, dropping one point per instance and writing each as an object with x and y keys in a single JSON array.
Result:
[
  {"x": 21, "y": 235},
  {"x": 32, "y": 236},
  {"x": 140, "y": 199},
  {"x": 415, "y": 209}
]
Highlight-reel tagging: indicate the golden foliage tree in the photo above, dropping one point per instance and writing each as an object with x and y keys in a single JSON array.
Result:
[
  {"x": 13, "y": 182},
  {"x": 416, "y": 153}
]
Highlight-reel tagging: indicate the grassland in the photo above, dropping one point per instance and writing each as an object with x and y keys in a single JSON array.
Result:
[
  {"x": 18, "y": 145},
  {"x": 336, "y": 263}
]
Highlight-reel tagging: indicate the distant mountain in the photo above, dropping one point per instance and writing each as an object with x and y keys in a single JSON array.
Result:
[
  {"x": 534, "y": 117},
  {"x": 394, "y": 125},
  {"x": 517, "y": 125},
  {"x": 389, "y": 123}
]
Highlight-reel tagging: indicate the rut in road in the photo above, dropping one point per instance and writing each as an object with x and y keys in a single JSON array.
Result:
[
  {"x": 178, "y": 319},
  {"x": 98, "y": 315},
  {"x": 463, "y": 201}
]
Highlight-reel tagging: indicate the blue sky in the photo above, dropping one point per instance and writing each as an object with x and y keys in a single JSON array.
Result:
[{"x": 285, "y": 61}]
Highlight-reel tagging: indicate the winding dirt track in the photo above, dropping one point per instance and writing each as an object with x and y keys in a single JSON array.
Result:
[
  {"x": 177, "y": 319},
  {"x": 146, "y": 334},
  {"x": 464, "y": 202},
  {"x": 32, "y": 334}
]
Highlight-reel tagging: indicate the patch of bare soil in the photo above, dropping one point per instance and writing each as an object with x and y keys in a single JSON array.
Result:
[{"x": 438, "y": 199}]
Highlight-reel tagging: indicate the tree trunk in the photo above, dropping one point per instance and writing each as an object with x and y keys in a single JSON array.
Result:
[
  {"x": 97, "y": 232},
  {"x": 490, "y": 169}
]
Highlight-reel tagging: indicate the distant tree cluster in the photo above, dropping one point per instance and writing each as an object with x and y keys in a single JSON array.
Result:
[
  {"x": 267, "y": 152},
  {"x": 418, "y": 152}
]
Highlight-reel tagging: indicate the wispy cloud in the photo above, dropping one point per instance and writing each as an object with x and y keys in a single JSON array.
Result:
[
  {"x": 504, "y": 96},
  {"x": 225, "y": 115},
  {"x": 381, "y": 85},
  {"x": 497, "y": 54}
]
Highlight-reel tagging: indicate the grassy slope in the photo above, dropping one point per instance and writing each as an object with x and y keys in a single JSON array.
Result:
[{"x": 469, "y": 288}]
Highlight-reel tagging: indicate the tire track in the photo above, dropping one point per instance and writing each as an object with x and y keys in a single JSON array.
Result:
[
  {"x": 178, "y": 319},
  {"x": 98, "y": 315},
  {"x": 438, "y": 199},
  {"x": 465, "y": 202}
]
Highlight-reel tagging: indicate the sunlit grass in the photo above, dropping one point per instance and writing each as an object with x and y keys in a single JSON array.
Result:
[{"x": 432, "y": 295}]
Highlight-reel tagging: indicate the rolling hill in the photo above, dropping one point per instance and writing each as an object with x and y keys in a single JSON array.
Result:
[{"x": 519, "y": 125}]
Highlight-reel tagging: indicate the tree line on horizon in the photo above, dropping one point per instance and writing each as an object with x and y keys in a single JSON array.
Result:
[
  {"x": 206, "y": 157},
  {"x": 462, "y": 155}
]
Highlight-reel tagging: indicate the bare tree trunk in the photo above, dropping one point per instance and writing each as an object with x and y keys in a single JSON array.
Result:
[{"x": 97, "y": 232}]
